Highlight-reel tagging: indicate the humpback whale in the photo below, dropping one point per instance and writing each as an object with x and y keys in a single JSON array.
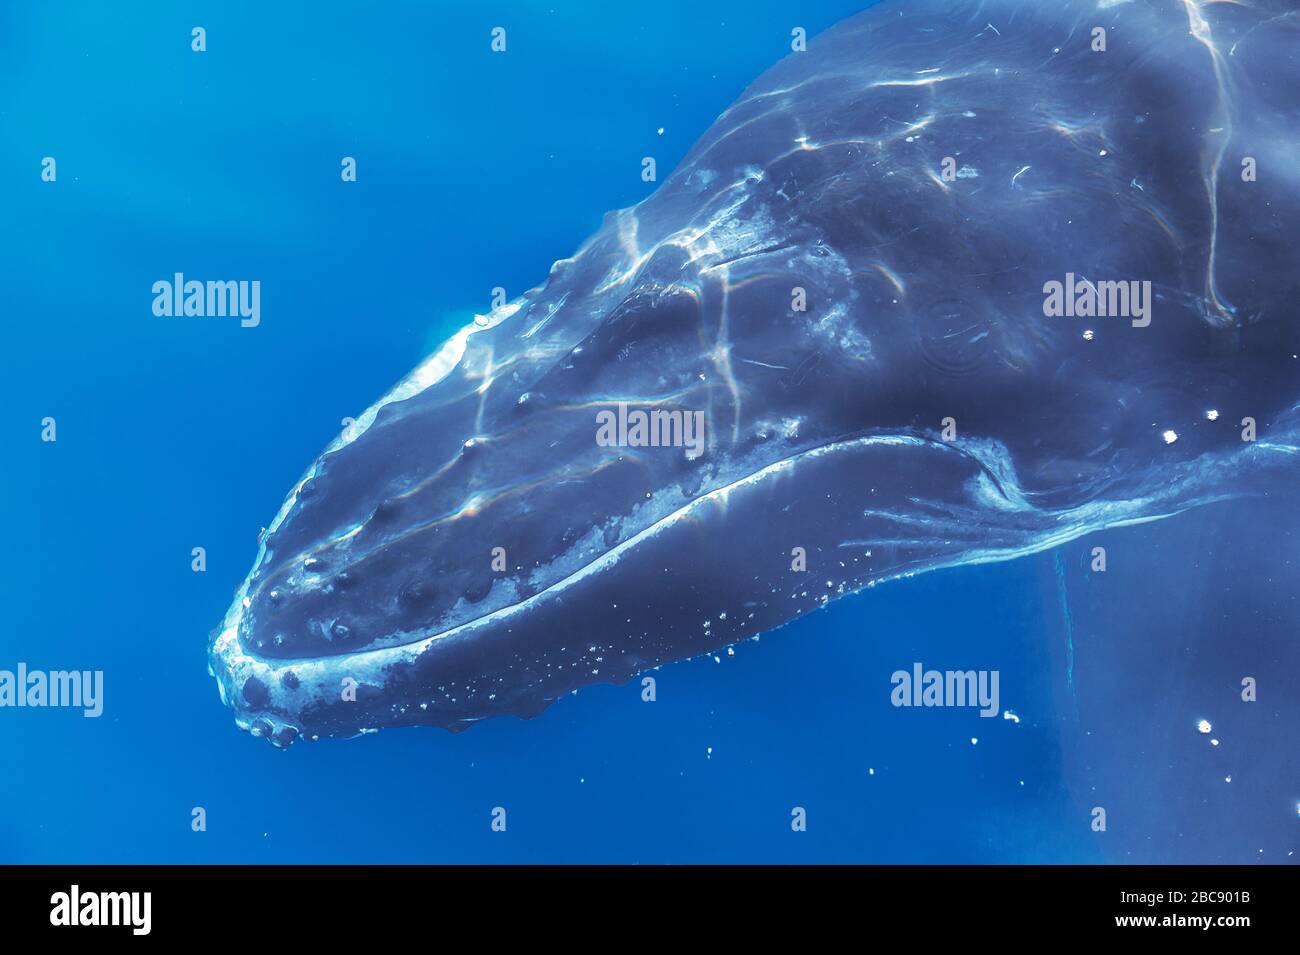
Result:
[{"x": 855, "y": 278}]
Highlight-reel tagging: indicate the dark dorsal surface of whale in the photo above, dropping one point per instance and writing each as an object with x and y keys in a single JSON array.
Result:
[{"x": 953, "y": 285}]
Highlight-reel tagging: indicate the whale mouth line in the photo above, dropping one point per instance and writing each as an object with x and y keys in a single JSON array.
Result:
[
  {"x": 231, "y": 665},
  {"x": 610, "y": 556},
  {"x": 1002, "y": 481}
]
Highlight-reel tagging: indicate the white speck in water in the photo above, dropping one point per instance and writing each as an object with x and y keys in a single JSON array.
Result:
[
  {"x": 660, "y": 130},
  {"x": 1088, "y": 335},
  {"x": 1170, "y": 436},
  {"x": 1010, "y": 715},
  {"x": 1214, "y": 742},
  {"x": 1227, "y": 779},
  {"x": 871, "y": 771},
  {"x": 1212, "y": 415},
  {"x": 974, "y": 740},
  {"x": 1203, "y": 726},
  {"x": 1102, "y": 153}
]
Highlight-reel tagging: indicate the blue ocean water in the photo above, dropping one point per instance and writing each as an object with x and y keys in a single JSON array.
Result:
[{"x": 477, "y": 171}]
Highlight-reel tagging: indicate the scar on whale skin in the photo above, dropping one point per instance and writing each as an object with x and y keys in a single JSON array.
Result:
[{"x": 468, "y": 549}]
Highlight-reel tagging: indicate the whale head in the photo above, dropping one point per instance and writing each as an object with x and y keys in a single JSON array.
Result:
[{"x": 950, "y": 286}]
